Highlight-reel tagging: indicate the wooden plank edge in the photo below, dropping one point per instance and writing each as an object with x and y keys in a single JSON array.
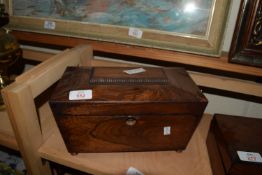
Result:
[
  {"x": 201, "y": 79},
  {"x": 9, "y": 141},
  {"x": 218, "y": 63}
]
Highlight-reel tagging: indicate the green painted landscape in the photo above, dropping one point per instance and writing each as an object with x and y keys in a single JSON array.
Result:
[{"x": 181, "y": 16}]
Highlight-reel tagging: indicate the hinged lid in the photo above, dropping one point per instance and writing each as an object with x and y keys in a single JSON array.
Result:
[
  {"x": 130, "y": 76},
  {"x": 130, "y": 90}
]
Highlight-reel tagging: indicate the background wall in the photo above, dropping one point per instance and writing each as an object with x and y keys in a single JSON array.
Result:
[
  {"x": 226, "y": 105},
  {"x": 231, "y": 24},
  {"x": 231, "y": 106}
]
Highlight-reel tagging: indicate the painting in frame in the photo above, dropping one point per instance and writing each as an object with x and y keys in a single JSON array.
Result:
[
  {"x": 246, "y": 46},
  {"x": 194, "y": 26}
]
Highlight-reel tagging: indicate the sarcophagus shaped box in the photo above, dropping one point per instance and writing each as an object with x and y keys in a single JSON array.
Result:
[
  {"x": 235, "y": 145},
  {"x": 126, "y": 109}
]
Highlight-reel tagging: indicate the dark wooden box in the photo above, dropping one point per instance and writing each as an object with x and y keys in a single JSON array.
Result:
[
  {"x": 229, "y": 138},
  {"x": 156, "y": 109}
]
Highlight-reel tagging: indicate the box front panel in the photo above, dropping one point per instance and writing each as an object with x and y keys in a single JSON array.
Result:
[
  {"x": 216, "y": 161},
  {"x": 126, "y": 133}
]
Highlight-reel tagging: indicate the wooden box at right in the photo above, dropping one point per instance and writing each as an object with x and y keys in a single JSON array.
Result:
[{"x": 235, "y": 145}]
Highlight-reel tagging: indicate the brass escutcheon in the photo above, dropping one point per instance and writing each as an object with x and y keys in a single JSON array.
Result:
[{"x": 131, "y": 121}]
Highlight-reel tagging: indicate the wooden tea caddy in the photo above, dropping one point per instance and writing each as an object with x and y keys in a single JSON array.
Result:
[
  {"x": 126, "y": 109},
  {"x": 232, "y": 137}
]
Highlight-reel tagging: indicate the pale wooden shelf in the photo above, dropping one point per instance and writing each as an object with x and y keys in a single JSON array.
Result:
[
  {"x": 7, "y": 136},
  {"x": 37, "y": 142}
]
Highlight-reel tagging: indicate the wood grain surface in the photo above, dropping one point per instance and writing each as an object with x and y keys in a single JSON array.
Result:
[
  {"x": 102, "y": 123},
  {"x": 231, "y": 134},
  {"x": 7, "y": 136}
]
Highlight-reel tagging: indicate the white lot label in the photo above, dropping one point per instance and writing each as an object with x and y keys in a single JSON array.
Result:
[
  {"x": 80, "y": 95},
  {"x": 249, "y": 156},
  {"x": 133, "y": 171},
  {"x": 49, "y": 25},
  {"x": 134, "y": 71},
  {"x": 167, "y": 130},
  {"x": 135, "y": 32}
]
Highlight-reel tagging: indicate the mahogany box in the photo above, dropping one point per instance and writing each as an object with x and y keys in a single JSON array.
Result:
[
  {"x": 235, "y": 145},
  {"x": 126, "y": 109}
]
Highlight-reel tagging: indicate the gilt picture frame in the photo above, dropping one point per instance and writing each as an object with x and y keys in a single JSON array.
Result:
[
  {"x": 192, "y": 26},
  {"x": 246, "y": 46}
]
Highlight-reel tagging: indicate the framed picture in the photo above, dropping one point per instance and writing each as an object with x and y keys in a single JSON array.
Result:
[
  {"x": 246, "y": 46},
  {"x": 194, "y": 26}
]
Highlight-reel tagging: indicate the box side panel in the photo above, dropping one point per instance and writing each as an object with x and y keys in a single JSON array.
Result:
[
  {"x": 214, "y": 154},
  {"x": 223, "y": 146}
]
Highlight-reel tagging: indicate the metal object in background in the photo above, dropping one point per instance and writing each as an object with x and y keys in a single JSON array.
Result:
[
  {"x": 3, "y": 16},
  {"x": 2, "y": 85},
  {"x": 11, "y": 63}
]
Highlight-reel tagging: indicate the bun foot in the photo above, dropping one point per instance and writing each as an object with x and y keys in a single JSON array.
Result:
[{"x": 73, "y": 154}]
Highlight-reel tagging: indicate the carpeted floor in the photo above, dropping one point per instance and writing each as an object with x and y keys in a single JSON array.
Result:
[{"x": 11, "y": 163}]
